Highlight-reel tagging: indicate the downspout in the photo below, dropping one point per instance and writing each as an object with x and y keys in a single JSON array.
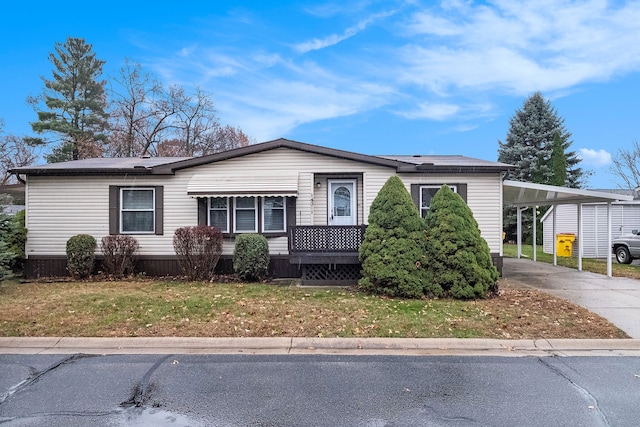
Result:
[{"x": 20, "y": 180}]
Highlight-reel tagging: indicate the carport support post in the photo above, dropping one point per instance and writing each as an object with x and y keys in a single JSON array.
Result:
[
  {"x": 580, "y": 247},
  {"x": 519, "y": 230},
  {"x": 609, "y": 240},
  {"x": 555, "y": 253},
  {"x": 535, "y": 229}
]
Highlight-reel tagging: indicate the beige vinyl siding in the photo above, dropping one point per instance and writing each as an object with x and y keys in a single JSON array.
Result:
[
  {"x": 52, "y": 202},
  {"x": 483, "y": 198},
  {"x": 311, "y": 169},
  {"x": 60, "y": 207}
]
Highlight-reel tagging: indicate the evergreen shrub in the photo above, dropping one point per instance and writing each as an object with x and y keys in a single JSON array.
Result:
[
  {"x": 17, "y": 240},
  {"x": 119, "y": 251},
  {"x": 198, "y": 249},
  {"x": 393, "y": 251},
  {"x": 81, "y": 255},
  {"x": 251, "y": 256},
  {"x": 459, "y": 258},
  {"x": 13, "y": 237}
]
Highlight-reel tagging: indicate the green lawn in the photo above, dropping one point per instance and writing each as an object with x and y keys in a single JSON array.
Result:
[{"x": 588, "y": 264}]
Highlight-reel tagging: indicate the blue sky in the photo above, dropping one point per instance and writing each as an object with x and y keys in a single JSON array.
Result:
[{"x": 376, "y": 77}]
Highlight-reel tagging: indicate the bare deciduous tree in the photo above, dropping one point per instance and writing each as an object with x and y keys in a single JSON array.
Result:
[
  {"x": 148, "y": 118},
  {"x": 14, "y": 152},
  {"x": 132, "y": 93},
  {"x": 626, "y": 166}
]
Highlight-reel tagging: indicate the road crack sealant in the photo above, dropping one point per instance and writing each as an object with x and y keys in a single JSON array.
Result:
[
  {"x": 142, "y": 390},
  {"x": 37, "y": 375},
  {"x": 581, "y": 390}
]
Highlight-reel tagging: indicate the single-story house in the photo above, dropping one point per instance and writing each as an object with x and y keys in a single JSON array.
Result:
[
  {"x": 311, "y": 203},
  {"x": 625, "y": 216}
]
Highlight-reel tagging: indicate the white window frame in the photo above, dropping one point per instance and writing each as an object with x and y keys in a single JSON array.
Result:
[
  {"x": 235, "y": 215},
  {"x": 454, "y": 188},
  {"x": 226, "y": 209},
  {"x": 284, "y": 214},
  {"x": 123, "y": 210}
]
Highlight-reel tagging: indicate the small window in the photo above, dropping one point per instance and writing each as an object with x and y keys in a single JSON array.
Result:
[
  {"x": 426, "y": 193},
  {"x": 273, "y": 214},
  {"x": 137, "y": 212},
  {"x": 219, "y": 213},
  {"x": 245, "y": 215}
]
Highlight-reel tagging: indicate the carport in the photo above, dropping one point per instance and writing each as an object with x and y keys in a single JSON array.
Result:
[{"x": 525, "y": 195}]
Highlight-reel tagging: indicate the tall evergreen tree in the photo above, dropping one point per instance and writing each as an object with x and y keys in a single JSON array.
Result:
[
  {"x": 73, "y": 103},
  {"x": 529, "y": 146}
]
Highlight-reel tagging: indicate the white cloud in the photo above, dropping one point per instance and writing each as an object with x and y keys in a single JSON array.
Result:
[
  {"x": 520, "y": 47},
  {"x": 433, "y": 111},
  {"x": 595, "y": 157},
  {"x": 458, "y": 56},
  {"x": 333, "y": 39}
]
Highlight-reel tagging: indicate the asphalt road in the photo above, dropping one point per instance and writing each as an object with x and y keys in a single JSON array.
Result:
[{"x": 322, "y": 390}]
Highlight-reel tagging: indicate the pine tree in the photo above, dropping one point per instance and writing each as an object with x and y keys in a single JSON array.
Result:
[
  {"x": 74, "y": 102},
  {"x": 558, "y": 162},
  {"x": 393, "y": 250},
  {"x": 529, "y": 144},
  {"x": 529, "y": 147},
  {"x": 459, "y": 259}
]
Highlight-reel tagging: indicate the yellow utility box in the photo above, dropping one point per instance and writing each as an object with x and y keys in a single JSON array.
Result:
[{"x": 564, "y": 244}]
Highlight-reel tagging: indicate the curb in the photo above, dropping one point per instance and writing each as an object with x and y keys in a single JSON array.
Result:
[{"x": 331, "y": 346}]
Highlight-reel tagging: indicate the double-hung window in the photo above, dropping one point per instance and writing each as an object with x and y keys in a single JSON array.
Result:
[
  {"x": 219, "y": 213},
  {"x": 426, "y": 194},
  {"x": 245, "y": 215},
  {"x": 137, "y": 210},
  {"x": 273, "y": 214}
]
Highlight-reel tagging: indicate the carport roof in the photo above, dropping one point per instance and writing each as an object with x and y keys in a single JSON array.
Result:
[{"x": 515, "y": 193}]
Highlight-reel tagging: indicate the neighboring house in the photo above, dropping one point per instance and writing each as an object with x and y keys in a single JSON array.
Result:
[
  {"x": 625, "y": 216},
  {"x": 311, "y": 203},
  {"x": 12, "y": 198}
]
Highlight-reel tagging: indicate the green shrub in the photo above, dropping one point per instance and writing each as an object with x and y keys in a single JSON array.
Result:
[
  {"x": 393, "y": 250},
  {"x": 251, "y": 256},
  {"x": 119, "y": 251},
  {"x": 13, "y": 236},
  {"x": 459, "y": 258},
  {"x": 81, "y": 255},
  {"x": 17, "y": 240},
  {"x": 198, "y": 249}
]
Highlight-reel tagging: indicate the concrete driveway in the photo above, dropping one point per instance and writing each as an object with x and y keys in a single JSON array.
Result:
[{"x": 614, "y": 298}]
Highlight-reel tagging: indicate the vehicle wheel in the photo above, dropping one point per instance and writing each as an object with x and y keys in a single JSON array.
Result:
[{"x": 623, "y": 256}]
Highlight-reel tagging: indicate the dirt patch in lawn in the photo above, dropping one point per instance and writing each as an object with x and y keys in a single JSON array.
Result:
[{"x": 146, "y": 308}]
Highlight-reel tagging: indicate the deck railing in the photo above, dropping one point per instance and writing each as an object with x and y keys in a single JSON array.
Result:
[{"x": 325, "y": 238}]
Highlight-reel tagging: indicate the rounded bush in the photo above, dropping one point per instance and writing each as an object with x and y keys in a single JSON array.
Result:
[
  {"x": 393, "y": 251},
  {"x": 459, "y": 258},
  {"x": 251, "y": 256},
  {"x": 198, "y": 249},
  {"x": 119, "y": 251},
  {"x": 81, "y": 255}
]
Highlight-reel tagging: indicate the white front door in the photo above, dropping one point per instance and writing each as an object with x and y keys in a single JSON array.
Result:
[{"x": 342, "y": 202}]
